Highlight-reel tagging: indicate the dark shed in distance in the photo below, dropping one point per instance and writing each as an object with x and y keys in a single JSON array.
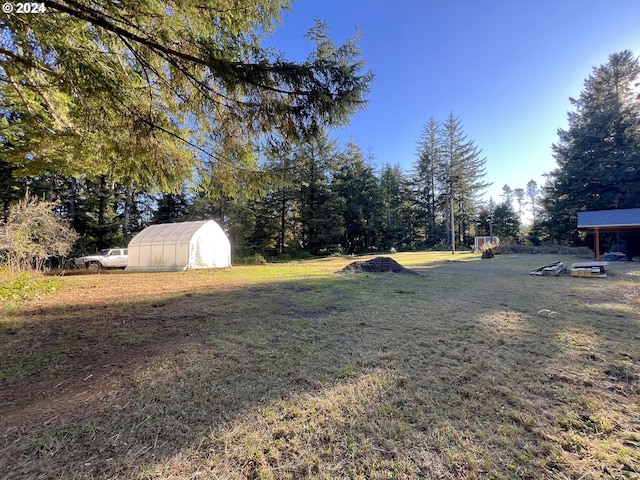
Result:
[{"x": 608, "y": 221}]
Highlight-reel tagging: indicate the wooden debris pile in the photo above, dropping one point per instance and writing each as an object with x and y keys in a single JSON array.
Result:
[
  {"x": 589, "y": 269},
  {"x": 555, "y": 269},
  {"x": 581, "y": 269}
]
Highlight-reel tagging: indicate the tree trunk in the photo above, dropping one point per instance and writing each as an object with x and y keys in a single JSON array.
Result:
[
  {"x": 73, "y": 199},
  {"x": 102, "y": 201},
  {"x": 283, "y": 207},
  {"x": 453, "y": 225},
  {"x": 128, "y": 205}
]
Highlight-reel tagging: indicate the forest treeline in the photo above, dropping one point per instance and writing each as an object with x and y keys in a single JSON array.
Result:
[
  {"x": 316, "y": 197},
  {"x": 320, "y": 198}
]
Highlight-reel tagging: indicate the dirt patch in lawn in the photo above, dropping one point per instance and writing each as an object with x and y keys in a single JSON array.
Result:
[
  {"x": 92, "y": 376},
  {"x": 377, "y": 265}
]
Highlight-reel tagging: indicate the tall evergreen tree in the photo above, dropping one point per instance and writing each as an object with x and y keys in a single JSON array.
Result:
[
  {"x": 320, "y": 209},
  {"x": 519, "y": 195},
  {"x": 98, "y": 203},
  {"x": 507, "y": 195},
  {"x": 533, "y": 191},
  {"x": 427, "y": 180},
  {"x": 461, "y": 172},
  {"x": 499, "y": 221},
  {"x": 172, "y": 207},
  {"x": 265, "y": 236},
  {"x": 506, "y": 223},
  {"x": 395, "y": 199},
  {"x": 598, "y": 156},
  {"x": 10, "y": 189},
  {"x": 356, "y": 185},
  {"x": 281, "y": 161}
]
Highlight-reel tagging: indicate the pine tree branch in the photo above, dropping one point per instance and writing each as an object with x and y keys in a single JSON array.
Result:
[
  {"x": 97, "y": 18},
  {"x": 241, "y": 71}
]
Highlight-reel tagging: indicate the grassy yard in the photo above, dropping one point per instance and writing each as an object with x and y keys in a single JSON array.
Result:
[{"x": 472, "y": 369}]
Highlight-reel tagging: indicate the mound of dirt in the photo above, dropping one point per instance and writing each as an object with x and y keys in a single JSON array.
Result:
[{"x": 377, "y": 265}]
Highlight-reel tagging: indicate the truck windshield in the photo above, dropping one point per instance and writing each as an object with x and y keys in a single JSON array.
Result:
[{"x": 104, "y": 253}]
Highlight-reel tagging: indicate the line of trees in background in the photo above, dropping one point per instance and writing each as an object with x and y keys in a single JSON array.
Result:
[{"x": 323, "y": 198}]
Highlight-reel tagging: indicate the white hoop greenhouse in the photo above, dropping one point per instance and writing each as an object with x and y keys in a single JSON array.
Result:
[{"x": 180, "y": 246}]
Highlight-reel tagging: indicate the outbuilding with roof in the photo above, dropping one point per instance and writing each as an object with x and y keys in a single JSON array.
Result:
[{"x": 608, "y": 221}]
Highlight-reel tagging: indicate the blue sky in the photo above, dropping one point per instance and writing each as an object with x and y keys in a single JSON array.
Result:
[{"x": 506, "y": 69}]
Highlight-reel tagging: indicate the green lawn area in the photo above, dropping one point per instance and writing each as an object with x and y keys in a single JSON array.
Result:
[{"x": 471, "y": 369}]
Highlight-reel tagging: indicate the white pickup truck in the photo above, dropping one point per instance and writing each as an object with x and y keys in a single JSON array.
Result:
[{"x": 107, "y": 258}]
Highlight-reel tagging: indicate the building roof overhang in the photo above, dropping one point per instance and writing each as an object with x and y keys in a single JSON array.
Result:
[{"x": 610, "y": 221}]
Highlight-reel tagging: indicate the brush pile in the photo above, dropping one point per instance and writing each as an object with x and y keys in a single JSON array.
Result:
[{"x": 377, "y": 265}]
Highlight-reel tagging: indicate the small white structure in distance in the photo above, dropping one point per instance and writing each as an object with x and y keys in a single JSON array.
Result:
[
  {"x": 180, "y": 246},
  {"x": 479, "y": 242}
]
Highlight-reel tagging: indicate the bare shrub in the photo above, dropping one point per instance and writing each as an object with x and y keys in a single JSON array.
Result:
[{"x": 33, "y": 234}]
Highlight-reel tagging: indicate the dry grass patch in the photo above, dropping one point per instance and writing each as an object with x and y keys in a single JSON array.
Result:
[
  {"x": 335, "y": 431},
  {"x": 470, "y": 369}
]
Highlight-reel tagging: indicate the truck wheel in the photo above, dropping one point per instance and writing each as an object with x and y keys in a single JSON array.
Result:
[{"x": 93, "y": 267}]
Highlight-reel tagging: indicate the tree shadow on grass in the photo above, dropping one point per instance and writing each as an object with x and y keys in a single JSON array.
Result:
[
  {"x": 477, "y": 386},
  {"x": 94, "y": 390}
]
